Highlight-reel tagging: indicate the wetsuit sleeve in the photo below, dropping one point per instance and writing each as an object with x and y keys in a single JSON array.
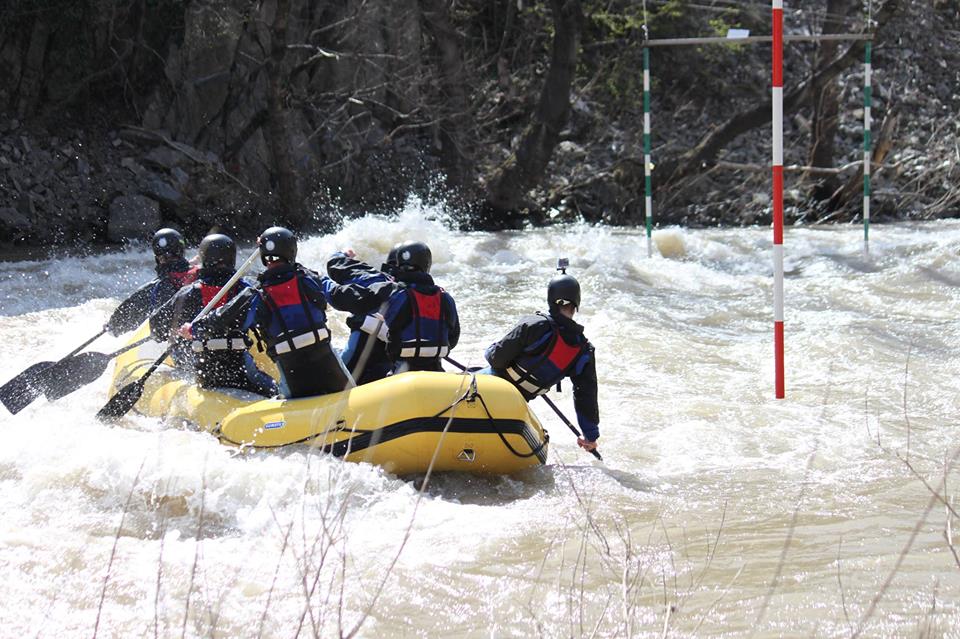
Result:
[
  {"x": 453, "y": 320},
  {"x": 351, "y": 298},
  {"x": 348, "y": 270},
  {"x": 509, "y": 349},
  {"x": 132, "y": 311},
  {"x": 584, "y": 379},
  {"x": 240, "y": 313}
]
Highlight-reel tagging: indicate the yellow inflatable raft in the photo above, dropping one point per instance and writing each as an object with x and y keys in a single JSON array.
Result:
[{"x": 469, "y": 423}]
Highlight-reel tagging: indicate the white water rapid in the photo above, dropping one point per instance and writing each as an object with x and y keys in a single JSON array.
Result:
[{"x": 719, "y": 510}]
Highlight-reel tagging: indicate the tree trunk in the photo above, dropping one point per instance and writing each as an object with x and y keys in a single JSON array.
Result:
[
  {"x": 294, "y": 212},
  {"x": 508, "y": 187},
  {"x": 826, "y": 106},
  {"x": 706, "y": 151},
  {"x": 454, "y": 121}
]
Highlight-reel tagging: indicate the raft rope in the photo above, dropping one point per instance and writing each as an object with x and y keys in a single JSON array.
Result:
[{"x": 472, "y": 394}]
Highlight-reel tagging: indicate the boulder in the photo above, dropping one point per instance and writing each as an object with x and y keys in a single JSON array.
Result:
[{"x": 132, "y": 217}]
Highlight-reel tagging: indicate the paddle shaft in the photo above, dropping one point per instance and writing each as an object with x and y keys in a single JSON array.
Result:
[
  {"x": 85, "y": 344},
  {"x": 368, "y": 346},
  {"x": 549, "y": 401},
  {"x": 127, "y": 396}
]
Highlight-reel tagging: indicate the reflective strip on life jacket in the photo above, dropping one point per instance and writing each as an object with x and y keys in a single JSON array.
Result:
[
  {"x": 219, "y": 344},
  {"x": 424, "y": 351},
  {"x": 302, "y": 340}
]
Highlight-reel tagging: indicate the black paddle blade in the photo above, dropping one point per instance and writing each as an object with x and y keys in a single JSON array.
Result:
[
  {"x": 121, "y": 403},
  {"x": 69, "y": 374},
  {"x": 20, "y": 391}
]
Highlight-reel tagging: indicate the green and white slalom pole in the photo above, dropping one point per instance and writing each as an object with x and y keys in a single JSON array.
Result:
[
  {"x": 647, "y": 165},
  {"x": 777, "y": 100},
  {"x": 867, "y": 119}
]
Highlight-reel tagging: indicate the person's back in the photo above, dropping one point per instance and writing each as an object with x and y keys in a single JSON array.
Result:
[
  {"x": 422, "y": 321},
  {"x": 220, "y": 359},
  {"x": 287, "y": 309},
  {"x": 544, "y": 348},
  {"x": 173, "y": 273}
]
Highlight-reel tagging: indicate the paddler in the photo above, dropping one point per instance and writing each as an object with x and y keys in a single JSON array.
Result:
[
  {"x": 173, "y": 272},
  {"x": 287, "y": 310},
  {"x": 421, "y": 318},
  {"x": 345, "y": 268},
  {"x": 544, "y": 348},
  {"x": 220, "y": 359}
]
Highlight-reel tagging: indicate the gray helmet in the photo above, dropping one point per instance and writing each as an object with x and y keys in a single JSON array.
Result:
[
  {"x": 277, "y": 243},
  {"x": 562, "y": 290},
  {"x": 413, "y": 256},
  {"x": 218, "y": 251},
  {"x": 168, "y": 243}
]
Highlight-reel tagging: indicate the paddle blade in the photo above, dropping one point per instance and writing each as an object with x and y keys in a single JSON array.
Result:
[
  {"x": 20, "y": 391},
  {"x": 69, "y": 374},
  {"x": 121, "y": 403}
]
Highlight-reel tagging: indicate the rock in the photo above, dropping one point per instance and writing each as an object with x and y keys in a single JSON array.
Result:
[
  {"x": 83, "y": 167},
  {"x": 132, "y": 165},
  {"x": 13, "y": 221},
  {"x": 162, "y": 190},
  {"x": 132, "y": 217},
  {"x": 163, "y": 157},
  {"x": 180, "y": 176}
]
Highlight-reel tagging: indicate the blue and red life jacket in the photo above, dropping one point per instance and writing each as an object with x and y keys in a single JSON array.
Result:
[
  {"x": 296, "y": 322},
  {"x": 233, "y": 343},
  {"x": 426, "y": 335},
  {"x": 537, "y": 370},
  {"x": 182, "y": 278}
]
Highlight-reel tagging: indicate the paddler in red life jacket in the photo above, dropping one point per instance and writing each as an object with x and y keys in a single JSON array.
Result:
[
  {"x": 219, "y": 360},
  {"x": 173, "y": 272},
  {"x": 544, "y": 348},
  {"x": 287, "y": 309},
  {"x": 421, "y": 318}
]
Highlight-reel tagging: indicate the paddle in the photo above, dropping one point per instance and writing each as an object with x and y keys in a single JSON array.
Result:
[
  {"x": 20, "y": 391},
  {"x": 121, "y": 403},
  {"x": 594, "y": 452},
  {"x": 71, "y": 373}
]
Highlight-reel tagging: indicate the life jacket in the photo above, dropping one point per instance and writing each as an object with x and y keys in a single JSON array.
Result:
[
  {"x": 426, "y": 335},
  {"x": 235, "y": 343},
  {"x": 536, "y": 371},
  {"x": 182, "y": 278},
  {"x": 296, "y": 323}
]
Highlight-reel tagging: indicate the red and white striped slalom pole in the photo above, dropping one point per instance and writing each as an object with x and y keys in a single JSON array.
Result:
[{"x": 777, "y": 99}]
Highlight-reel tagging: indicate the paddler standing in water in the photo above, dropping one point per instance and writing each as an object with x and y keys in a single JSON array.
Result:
[
  {"x": 220, "y": 360},
  {"x": 287, "y": 310},
  {"x": 544, "y": 348},
  {"x": 173, "y": 272}
]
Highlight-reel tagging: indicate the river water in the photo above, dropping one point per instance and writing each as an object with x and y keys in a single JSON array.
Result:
[{"x": 719, "y": 510}]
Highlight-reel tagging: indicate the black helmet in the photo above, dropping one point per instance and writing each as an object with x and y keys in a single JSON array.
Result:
[
  {"x": 412, "y": 256},
  {"x": 218, "y": 251},
  {"x": 277, "y": 243},
  {"x": 563, "y": 289},
  {"x": 390, "y": 264},
  {"x": 168, "y": 243}
]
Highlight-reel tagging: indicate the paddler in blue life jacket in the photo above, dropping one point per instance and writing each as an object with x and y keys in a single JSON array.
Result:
[
  {"x": 173, "y": 272},
  {"x": 544, "y": 348},
  {"x": 345, "y": 268},
  {"x": 421, "y": 318},
  {"x": 219, "y": 360},
  {"x": 287, "y": 310}
]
